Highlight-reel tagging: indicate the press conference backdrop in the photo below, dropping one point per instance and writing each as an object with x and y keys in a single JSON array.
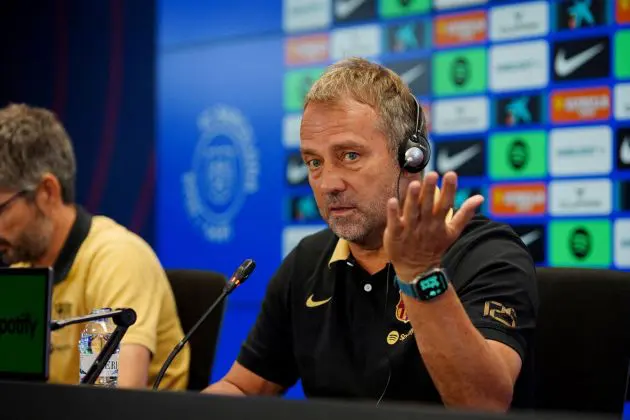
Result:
[{"x": 528, "y": 101}]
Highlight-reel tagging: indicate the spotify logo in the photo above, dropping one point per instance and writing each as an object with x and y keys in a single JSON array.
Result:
[
  {"x": 392, "y": 337},
  {"x": 580, "y": 243},
  {"x": 460, "y": 71},
  {"x": 518, "y": 154}
]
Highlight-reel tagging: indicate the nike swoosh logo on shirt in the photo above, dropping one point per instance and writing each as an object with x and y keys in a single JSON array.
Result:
[
  {"x": 412, "y": 74},
  {"x": 344, "y": 8},
  {"x": 565, "y": 66},
  {"x": 530, "y": 237},
  {"x": 447, "y": 163},
  {"x": 624, "y": 152},
  {"x": 310, "y": 303}
]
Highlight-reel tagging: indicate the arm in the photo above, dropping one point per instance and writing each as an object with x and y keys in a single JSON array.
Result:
[
  {"x": 127, "y": 274},
  {"x": 477, "y": 362},
  {"x": 133, "y": 362},
  {"x": 240, "y": 381},
  {"x": 266, "y": 364},
  {"x": 473, "y": 355}
]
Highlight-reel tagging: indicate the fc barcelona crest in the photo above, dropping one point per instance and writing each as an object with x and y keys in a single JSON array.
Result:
[{"x": 401, "y": 312}]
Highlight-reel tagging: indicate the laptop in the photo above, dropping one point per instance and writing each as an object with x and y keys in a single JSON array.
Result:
[{"x": 25, "y": 300}]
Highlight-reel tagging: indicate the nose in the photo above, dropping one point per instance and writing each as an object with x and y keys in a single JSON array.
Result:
[{"x": 330, "y": 180}]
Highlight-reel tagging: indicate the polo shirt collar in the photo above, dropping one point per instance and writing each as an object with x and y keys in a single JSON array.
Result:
[
  {"x": 78, "y": 232},
  {"x": 342, "y": 249}
]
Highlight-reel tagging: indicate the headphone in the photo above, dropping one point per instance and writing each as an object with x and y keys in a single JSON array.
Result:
[{"x": 414, "y": 153}]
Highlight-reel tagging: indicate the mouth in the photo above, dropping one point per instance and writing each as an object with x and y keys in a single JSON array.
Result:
[{"x": 340, "y": 210}]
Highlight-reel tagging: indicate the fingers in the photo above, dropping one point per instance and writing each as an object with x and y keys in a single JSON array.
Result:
[
  {"x": 447, "y": 198},
  {"x": 427, "y": 199},
  {"x": 411, "y": 211},
  {"x": 394, "y": 225},
  {"x": 465, "y": 213}
]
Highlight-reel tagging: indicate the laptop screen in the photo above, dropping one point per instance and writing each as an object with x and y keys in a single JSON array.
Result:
[{"x": 25, "y": 299}]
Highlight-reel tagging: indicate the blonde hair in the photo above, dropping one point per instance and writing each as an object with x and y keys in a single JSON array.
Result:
[{"x": 374, "y": 85}]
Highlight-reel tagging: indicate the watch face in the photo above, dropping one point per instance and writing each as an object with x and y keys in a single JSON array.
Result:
[{"x": 432, "y": 286}]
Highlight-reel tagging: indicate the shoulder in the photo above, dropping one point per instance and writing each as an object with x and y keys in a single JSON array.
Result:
[
  {"x": 111, "y": 242},
  {"x": 311, "y": 253},
  {"x": 485, "y": 243}
]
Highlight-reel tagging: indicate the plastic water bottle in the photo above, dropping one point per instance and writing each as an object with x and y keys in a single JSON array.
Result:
[{"x": 93, "y": 338}]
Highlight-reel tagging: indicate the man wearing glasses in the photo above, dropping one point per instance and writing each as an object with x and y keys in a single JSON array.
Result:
[{"x": 97, "y": 263}]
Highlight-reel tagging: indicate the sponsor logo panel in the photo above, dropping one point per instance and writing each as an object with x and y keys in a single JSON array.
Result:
[
  {"x": 622, "y": 101},
  {"x": 466, "y": 115},
  {"x": 459, "y": 71},
  {"x": 461, "y": 28},
  {"x": 465, "y": 157},
  {"x": 359, "y": 41},
  {"x": 508, "y": 200},
  {"x": 415, "y": 73},
  {"x": 576, "y": 105},
  {"x": 518, "y": 154},
  {"x": 309, "y": 49},
  {"x": 354, "y": 10},
  {"x": 535, "y": 238},
  {"x": 580, "y": 14},
  {"x": 623, "y": 148},
  {"x": 526, "y": 70},
  {"x": 580, "y": 151},
  {"x": 580, "y": 243},
  {"x": 622, "y": 243},
  {"x": 518, "y": 110},
  {"x": 581, "y": 59},
  {"x": 296, "y": 85},
  {"x": 622, "y": 46},
  {"x": 302, "y": 15},
  {"x": 583, "y": 197},
  {"x": 519, "y": 21},
  {"x": 408, "y": 36},
  {"x": 392, "y": 9}
]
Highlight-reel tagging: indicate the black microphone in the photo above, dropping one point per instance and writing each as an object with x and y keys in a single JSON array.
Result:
[
  {"x": 240, "y": 275},
  {"x": 123, "y": 318}
]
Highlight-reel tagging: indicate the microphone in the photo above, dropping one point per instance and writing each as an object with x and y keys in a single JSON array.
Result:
[
  {"x": 122, "y": 317},
  {"x": 240, "y": 275}
]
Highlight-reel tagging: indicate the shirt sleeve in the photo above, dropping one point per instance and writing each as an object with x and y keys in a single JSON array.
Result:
[
  {"x": 127, "y": 274},
  {"x": 268, "y": 349},
  {"x": 498, "y": 291}
]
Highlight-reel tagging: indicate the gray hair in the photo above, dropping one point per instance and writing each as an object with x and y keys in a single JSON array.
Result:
[
  {"x": 32, "y": 143},
  {"x": 376, "y": 86}
]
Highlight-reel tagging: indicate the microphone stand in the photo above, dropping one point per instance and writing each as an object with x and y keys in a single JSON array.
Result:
[{"x": 123, "y": 318}]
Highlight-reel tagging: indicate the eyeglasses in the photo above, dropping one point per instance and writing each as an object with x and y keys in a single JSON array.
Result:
[{"x": 7, "y": 203}]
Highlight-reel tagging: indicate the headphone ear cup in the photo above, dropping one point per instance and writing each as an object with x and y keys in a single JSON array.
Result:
[{"x": 416, "y": 141}]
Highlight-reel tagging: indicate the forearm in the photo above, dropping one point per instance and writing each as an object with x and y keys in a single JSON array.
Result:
[
  {"x": 463, "y": 366},
  {"x": 224, "y": 387}
]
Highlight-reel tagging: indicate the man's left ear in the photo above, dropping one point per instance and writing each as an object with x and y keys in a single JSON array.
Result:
[{"x": 50, "y": 190}]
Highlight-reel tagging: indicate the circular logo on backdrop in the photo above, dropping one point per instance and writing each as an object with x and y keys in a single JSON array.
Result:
[
  {"x": 580, "y": 243},
  {"x": 518, "y": 154},
  {"x": 460, "y": 71},
  {"x": 224, "y": 171}
]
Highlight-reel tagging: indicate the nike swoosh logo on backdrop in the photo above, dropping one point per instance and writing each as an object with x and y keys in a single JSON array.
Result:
[
  {"x": 344, "y": 8},
  {"x": 412, "y": 74},
  {"x": 447, "y": 163},
  {"x": 565, "y": 66},
  {"x": 530, "y": 237},
  {"x": 624, "y": 152},
  {"x": 310, "y": 303}
]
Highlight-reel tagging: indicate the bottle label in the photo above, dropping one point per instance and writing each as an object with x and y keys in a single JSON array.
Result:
[{"x": 109, "y": 371}]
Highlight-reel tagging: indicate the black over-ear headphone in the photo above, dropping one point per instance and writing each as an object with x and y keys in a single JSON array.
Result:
[{"x": 414, "y": 153}]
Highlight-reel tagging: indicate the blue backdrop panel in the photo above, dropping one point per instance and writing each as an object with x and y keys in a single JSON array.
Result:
[
  {"x": 219, "y": 112},
  {"x": 185, "y": 22}
]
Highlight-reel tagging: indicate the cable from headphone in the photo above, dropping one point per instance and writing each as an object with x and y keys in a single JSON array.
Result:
[{"x": 413, "y": 156}]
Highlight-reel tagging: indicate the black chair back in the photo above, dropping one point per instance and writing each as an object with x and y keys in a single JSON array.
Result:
[
  {"x": 582, "y": 339},
  {"x": 195, "y": 291}
]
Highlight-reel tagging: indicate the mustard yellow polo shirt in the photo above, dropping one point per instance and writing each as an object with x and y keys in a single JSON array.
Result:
[{"x": 104, "y": 265}]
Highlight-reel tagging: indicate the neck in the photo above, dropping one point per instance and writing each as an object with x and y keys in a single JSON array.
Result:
[
  {"x": 62, "y": 224},
  {"x": 371, "y": 259}
]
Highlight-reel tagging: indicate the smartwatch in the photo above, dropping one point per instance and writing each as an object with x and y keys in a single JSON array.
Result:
[{"x": 426, "y": 286}]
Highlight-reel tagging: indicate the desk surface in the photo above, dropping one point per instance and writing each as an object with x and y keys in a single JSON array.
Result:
[{"x": 52, "y": 402}]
